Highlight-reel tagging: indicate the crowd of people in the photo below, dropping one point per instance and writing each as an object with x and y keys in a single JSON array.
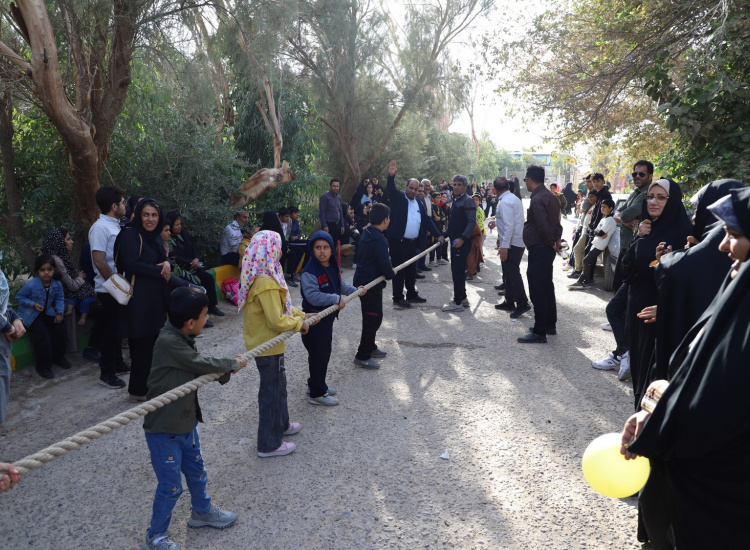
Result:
[{"x": 678, "y": 317}]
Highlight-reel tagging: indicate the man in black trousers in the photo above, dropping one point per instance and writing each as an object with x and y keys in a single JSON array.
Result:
[
  {"x": 461, "y": 222},
  {"x": 408, "y": 220},
  {"x": 541, "y": 235}
]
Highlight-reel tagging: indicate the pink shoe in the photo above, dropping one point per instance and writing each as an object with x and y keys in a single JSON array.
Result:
[
  {"x": 284, "y": 449},
  {"x": 293, "y": 428}
]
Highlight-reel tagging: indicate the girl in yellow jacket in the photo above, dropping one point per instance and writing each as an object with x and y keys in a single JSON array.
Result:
[{"x": 268, "y": 313}]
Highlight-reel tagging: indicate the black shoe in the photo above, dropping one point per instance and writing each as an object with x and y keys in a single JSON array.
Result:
[
  {"x": 64, "y": 363},
  {"x": 469, "y": 278},
  {"x": 501, "y": 293},
  {"x": 420, "y": 276},
  {"x": 425, "y": 268},
  {"x": 122, "y": 368},
  {"x": 532, "y": 338},
  {"x": 506, "y": 306},
  {"x": 45, "y": 373},
  {"x": 401, "y": 303},
  {"x": 416, "y": 300},
  {"x": 113, "y": 383},
  {"x": 574, "y": 275},
  {"x": 208, "y": 324},
  {"x": 501, "y": 286},
  {"x": 92, "y": 354},
  {"x": 520, "y": 310},
  {"x": 216, "y": 311},
  {"x": 551, "y": 331}
]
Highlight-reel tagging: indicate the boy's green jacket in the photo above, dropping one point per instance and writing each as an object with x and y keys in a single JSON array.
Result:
[{"x": 177, "y": 361}]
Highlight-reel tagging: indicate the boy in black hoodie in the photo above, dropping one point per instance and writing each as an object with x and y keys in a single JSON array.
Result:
[
  {"x": 322, "y": 287},
  {"x": 373, "y": 261}
]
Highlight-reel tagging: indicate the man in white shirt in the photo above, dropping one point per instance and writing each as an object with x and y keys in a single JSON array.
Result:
[
  {"x": 102, "y": 235},
  {"x": 509, "y": 223},
  {"x": 232, "y": 237}
]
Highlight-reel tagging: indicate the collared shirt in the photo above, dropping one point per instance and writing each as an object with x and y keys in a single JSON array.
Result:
[
  {"x": 413, "y": 219},
  {"x": 509, "y": 220},
  {"x": 542, "y": 227},
  {"x": 330, "y": 209},
  {"x": 428, "y": 205},
  {"x": 102, "y": 237},
  {"x": 231, "y": 238}
]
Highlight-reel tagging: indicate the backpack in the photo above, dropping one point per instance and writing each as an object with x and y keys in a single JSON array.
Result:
[{"x": 231, "y": 289}]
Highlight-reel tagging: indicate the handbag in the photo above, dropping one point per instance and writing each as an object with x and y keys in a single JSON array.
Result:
[{"x": 118, "y": 286}]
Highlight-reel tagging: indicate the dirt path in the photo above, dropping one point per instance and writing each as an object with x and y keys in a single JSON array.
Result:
[{"x": 513, "y": 419}]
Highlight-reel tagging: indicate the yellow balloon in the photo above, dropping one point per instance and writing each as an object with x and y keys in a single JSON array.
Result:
[{"x": 607, "y": 471}]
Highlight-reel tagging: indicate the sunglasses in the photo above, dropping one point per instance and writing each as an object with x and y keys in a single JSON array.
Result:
[{"x": 639, "y": 174}]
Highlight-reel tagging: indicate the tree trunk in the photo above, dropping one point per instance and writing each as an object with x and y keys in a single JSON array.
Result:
[{"x": 13, "y": 224}]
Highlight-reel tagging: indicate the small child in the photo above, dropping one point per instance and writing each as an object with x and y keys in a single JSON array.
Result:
[
  {"x": 579, "y": 248},
  {"x": 41, "y": 306},
  {"x": 374, "y": 261},
  {"x": 268, "y": 312},
  {"x": 172, "y": 431},
  {"x": 602, "y": 235},
  {"x": 322, "y": 287}
]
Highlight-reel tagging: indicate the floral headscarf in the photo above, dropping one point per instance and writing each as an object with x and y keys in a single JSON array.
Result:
[{"x": 261, "y": 259}]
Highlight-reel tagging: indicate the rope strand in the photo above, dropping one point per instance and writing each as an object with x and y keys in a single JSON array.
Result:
[{"x": 75, "y": 442}]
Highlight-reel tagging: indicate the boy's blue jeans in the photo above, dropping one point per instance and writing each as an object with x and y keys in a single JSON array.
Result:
[{"x": 171, "y": 456}]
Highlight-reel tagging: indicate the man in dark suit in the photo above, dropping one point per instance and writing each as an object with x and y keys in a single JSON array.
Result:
[{"x": 409, "y": 220}]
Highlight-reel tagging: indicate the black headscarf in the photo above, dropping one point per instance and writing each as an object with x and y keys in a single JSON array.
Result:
[
  {"x": 705, "y": 198},
  {"x": 138, "y": 223},
  {"x": 54, "y": 245},
  {"x": 699, "y": 432},
  {"x": 271, "y": 222}
]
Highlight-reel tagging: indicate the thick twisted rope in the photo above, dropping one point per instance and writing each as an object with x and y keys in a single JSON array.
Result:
[{"x": 74, "y": 442}]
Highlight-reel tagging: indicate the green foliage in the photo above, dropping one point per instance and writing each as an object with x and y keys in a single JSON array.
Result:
[{"x": 447, "y": 154}]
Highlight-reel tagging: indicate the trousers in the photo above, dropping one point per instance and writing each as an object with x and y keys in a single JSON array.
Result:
[
  {"x": 542, "y": 288},
  {"x": 48, "y": 339},
  {"x": 402, "y": 250},
  {"x": 458, "y": 271},
  {"x": 273, "y": 414},
  {"x": 317, "y": 342},
  {"x": 372, "y": 317},
  {"x": 515, "y": 292}
]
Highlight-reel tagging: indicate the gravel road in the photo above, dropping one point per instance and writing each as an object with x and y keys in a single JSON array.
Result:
[{"x": 511, "y": 420}]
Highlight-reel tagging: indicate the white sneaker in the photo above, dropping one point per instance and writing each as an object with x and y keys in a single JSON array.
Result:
[
  {"x": 610, "y": 363},
  {"x": 453, "y": 306},
  {"x": 624, "y": 373},
  {"x": 566, "y": 266},
  {"x": 432, "y": 264},
  {"x": 443, "y": 262},
  {"x": 606, "y": 326}
]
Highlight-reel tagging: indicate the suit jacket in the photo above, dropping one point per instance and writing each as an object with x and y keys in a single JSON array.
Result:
[{"x": 400, "y": 210}]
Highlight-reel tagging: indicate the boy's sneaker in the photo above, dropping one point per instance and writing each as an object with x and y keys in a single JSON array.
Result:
[
  {"x": 215, "y": 517},
  {"x": 367, "y": 363},
  {"x": 610, "y": 363},
  {"x": 163, "y": 542},
  {"x": 443, "y": 262},
  {"x": 330, "y": 390},
  {"x": 433, "y": 264},
  {"x": 284, "y": 449},
  {"x": 606, "y": 326},
  {"x": 113, "y": 383},
  {"x": 326, "y": 400},
  {"x": 624, "y": 372},
  {"x": 453, "y": 306},
  {"x": 575, "y": 274}
]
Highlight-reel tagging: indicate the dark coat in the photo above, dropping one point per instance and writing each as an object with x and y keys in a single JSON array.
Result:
[
  {"x": 400, "y": 210},
  {"x": 374, "y": 259}
]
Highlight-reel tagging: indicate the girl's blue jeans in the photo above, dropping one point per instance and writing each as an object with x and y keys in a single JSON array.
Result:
[{"x": 171, "y": 456}]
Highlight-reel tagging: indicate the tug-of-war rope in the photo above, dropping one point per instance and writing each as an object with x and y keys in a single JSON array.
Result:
[{"x": 74, "y": 442}]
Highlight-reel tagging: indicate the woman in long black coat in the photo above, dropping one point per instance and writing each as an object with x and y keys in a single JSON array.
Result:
[
  {"x": 664, "y": 219},
  {"x": 698, "y": 435},
  {"x": 140, "y": 252}
]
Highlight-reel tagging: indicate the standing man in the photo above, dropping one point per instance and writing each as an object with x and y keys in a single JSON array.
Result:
[
  {"x": 102, "y": 235},
  {"x": 509, "y": 223},
  {"x": 541, "y": 235},
  {"x": 628, "y": 215},
  {"x": 461, "y": 222},
  {"x": 409, "y": 220},
  {"x": 331, "y": 215}
]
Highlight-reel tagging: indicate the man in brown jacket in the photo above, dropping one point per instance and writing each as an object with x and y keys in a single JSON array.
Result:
[{"x": 541, "y": 235}]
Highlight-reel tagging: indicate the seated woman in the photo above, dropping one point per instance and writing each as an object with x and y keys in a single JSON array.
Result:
[
  {"x": 186, "y": 257},
  {"x": 79, "y": 293}
]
